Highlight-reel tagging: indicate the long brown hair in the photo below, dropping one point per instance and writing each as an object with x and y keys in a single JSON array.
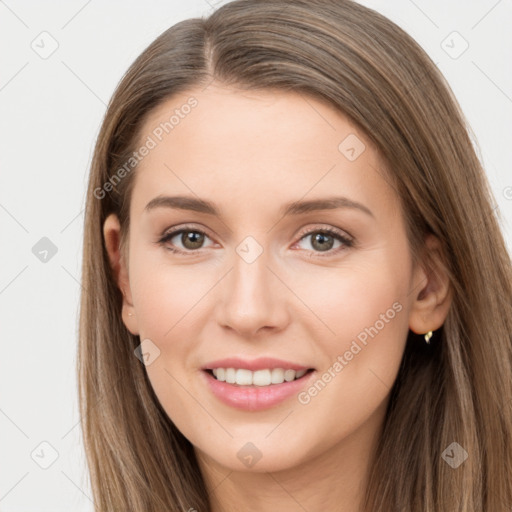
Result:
[{"x": 459, "y": 390}]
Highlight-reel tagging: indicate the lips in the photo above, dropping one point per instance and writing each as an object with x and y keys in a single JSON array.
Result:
[
  {"x": 262, "y": 363},
  {"x": 255, "y": 384},
  {"x": 254, "y": 397}
]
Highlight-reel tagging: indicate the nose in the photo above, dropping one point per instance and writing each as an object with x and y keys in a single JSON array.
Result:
[{"x": 253, "y": 298}]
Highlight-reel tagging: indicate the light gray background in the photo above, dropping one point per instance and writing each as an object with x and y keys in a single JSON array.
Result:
[{"x": 51, "y": 110}]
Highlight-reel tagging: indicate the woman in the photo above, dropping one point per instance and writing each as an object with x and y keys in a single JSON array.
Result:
[{"x": 296, "y": 292}]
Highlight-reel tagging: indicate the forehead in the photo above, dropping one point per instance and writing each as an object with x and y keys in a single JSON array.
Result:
[{"x": 264, "y": 145}]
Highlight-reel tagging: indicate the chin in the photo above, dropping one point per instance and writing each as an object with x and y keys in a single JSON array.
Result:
[{"x": 257, "y": 456}]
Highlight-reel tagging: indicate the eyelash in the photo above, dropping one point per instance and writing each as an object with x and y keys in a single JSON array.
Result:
[{"x": 348, "y": 242}]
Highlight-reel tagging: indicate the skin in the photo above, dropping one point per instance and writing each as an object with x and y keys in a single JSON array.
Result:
[{"x": 250, "y": 153}]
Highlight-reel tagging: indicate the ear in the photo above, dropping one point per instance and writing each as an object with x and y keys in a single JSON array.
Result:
[
  {"x": 112, "y": 237},
  {"x": 432, "y": 291}
]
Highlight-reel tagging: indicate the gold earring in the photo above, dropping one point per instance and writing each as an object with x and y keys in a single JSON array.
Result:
[{"x": 428, "y": 335}]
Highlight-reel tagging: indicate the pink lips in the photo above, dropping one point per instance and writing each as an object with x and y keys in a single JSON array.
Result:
[
  {"x": 261, "y": 363},
  {"x": 254, "y": 398}
]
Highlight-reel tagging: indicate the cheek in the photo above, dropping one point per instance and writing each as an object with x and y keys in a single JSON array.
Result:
[
  {"x": 166, "y": 297},
  {"x": 349, "y": 300},
  {"x": 167, "y": 302},
  {"x": 170, "y": 302},
  {"x": 362, "y": 350},
  {"x": 364, "y": 313},
  {"x": 360, "y": 357}
]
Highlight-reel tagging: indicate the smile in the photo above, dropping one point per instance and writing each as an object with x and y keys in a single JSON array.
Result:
[
  {"x": 261, "y": 393},
  {"x": 264, "y": 377}
]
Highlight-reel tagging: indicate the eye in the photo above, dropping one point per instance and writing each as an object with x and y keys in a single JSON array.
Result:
[
  {"x": 323, "y": 240},
  {"x": 191, "y": 239}
]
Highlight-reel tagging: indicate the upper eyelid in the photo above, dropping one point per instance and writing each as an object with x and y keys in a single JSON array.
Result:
[
  {"x": 341, "y": 232},
  {"x": 177, "y": 230}
]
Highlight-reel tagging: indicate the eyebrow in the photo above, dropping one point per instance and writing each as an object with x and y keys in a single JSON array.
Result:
[{"x": 293, "y": 208}]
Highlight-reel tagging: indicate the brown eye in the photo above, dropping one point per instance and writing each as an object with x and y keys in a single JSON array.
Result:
[
  {"x": 191, "y": 239},
  {"x": 322, "y": 241}
]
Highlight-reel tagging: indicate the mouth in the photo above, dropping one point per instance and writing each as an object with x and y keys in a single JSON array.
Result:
[
  {"x": 258, "y": 390},
  {"x": 256, "y": 384},
  {"x": 268, "y": 377}
]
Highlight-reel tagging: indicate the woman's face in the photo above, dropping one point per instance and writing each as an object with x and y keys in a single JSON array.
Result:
[{"x": 260, "y": 281}]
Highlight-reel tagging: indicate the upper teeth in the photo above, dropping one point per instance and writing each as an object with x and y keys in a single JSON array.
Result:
[{"x": 244, "y": 377}]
